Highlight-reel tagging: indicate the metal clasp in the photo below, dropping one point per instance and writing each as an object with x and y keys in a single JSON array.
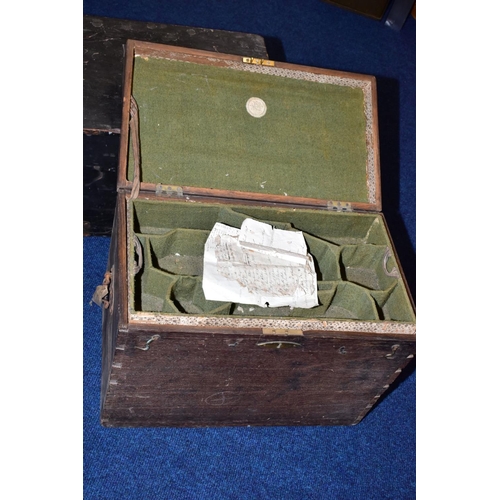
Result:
[
  {"x": 103, "y": 291},
  {"x": 257, "y": 61}
]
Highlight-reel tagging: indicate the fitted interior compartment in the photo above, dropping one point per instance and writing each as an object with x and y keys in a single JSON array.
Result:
[
  {"x": 366, "y": 265},
  {"x": 357, "y": 275},
  {"x": 179, "y": 251}
]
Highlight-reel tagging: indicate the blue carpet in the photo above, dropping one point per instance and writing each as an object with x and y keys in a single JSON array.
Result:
[{"x": 373, "y": 460}]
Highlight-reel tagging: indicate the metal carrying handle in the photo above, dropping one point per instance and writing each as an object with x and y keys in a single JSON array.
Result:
[
  {"x": 279, "y": 344},
  {"x": 136, "y": 149},
  {"x": 394, "y": 272},
  {"x": 148, "y": 343},
  {"x": 139, "y": 253}
]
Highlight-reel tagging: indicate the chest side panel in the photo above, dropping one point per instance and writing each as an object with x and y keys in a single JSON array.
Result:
[
  {"x": 113, "y": 315},
  {"x": 197, "y": 379}
]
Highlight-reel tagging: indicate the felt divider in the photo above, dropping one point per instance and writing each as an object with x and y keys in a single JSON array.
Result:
[
  {"x": 352, "y": 302},
  {"x": 187, "y": 295},
  {"x": 364, "y": 265},
  {"x": 353, "y": 282},
  {"x": 180, "y": 251}
]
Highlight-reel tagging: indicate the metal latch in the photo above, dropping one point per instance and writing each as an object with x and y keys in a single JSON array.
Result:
[
  {"x": 102, "y": 295},
  {"x": 339, "y": 206},
  {"x": 257, "y": 61},
  {"x": 169, "y": 190}
]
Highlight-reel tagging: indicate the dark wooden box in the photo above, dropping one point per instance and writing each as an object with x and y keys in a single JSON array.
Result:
[
  {"x": 104, "y": 42},
  {"x": 171, "y": 358}
]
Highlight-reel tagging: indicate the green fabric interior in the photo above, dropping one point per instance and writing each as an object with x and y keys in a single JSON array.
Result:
[
  {"x": 195, "y": 131},
  {"x": 348, "y": 251}
]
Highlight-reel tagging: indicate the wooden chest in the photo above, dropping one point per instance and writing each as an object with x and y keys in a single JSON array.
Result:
[{"x": 214, "y": 138}]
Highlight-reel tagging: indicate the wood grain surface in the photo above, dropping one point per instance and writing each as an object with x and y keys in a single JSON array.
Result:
[{"x": 198, "y": 379}]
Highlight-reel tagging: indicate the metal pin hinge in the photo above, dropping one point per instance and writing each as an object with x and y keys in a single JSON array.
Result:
[
  {"x": 257, "y": 61},
  {"x": 168, "y": 190},
  {"x": 339, "y": 206}
]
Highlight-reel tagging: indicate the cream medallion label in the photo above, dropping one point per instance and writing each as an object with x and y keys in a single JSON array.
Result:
[{"x": 256, "y": 107}]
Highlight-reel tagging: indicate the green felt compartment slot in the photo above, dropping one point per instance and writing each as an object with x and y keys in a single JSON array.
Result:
[
  {"x": 364, "y": 265},
  {"x": 353, "y": 282},
  {"x": 352, "y": 302},
  {"x": 151, "y": 217},
  {"x": 393, "y": 304},
  {"x": 324, "y": 298},
  {"x": 187, "y": 295},
  {"x": 350, "y": 228},
  {"x": 235, "y": 219},
  {"x": 164, "y": 291},
  {"x": 326, "y": 258},
  {"x": 153, "y": 290},
  {"x": 376, "y": 234},
  {"x": 179, "y": 251}
]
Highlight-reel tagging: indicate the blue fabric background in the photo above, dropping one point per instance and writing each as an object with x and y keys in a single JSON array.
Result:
[{"x": 376, "y": 458}]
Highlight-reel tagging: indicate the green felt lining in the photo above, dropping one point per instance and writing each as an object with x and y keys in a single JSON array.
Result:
[
  {"x": 348, "y": 250},
  {"x": 195, "y": 131}
]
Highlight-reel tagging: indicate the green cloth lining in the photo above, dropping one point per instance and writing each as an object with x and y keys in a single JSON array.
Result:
[
  {"x": 195, "y": 131},
  {"x": 352, "y": 283}
]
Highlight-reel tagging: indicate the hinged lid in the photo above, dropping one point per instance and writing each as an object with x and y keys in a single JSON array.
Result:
[{"x": 222, "y": 125}]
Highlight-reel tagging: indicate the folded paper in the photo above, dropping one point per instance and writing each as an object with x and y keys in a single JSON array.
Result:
[{"x": 259, "y": 265}]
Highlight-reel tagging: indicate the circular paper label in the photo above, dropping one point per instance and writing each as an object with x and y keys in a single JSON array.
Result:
[{"x": 256, "y": 107}]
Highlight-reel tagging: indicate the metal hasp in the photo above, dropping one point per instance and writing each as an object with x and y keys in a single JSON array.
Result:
[{"x": 259, "y": 62}]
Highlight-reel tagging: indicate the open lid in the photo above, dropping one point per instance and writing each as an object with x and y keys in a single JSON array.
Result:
[{"x": 222, "y": 125}]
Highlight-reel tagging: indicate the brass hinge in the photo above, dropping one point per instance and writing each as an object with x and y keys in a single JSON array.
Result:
[
  {"x": 259, "y": 62},
  {"x": 339, "y": 206},
  {"x": 169, "y": 190}
]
